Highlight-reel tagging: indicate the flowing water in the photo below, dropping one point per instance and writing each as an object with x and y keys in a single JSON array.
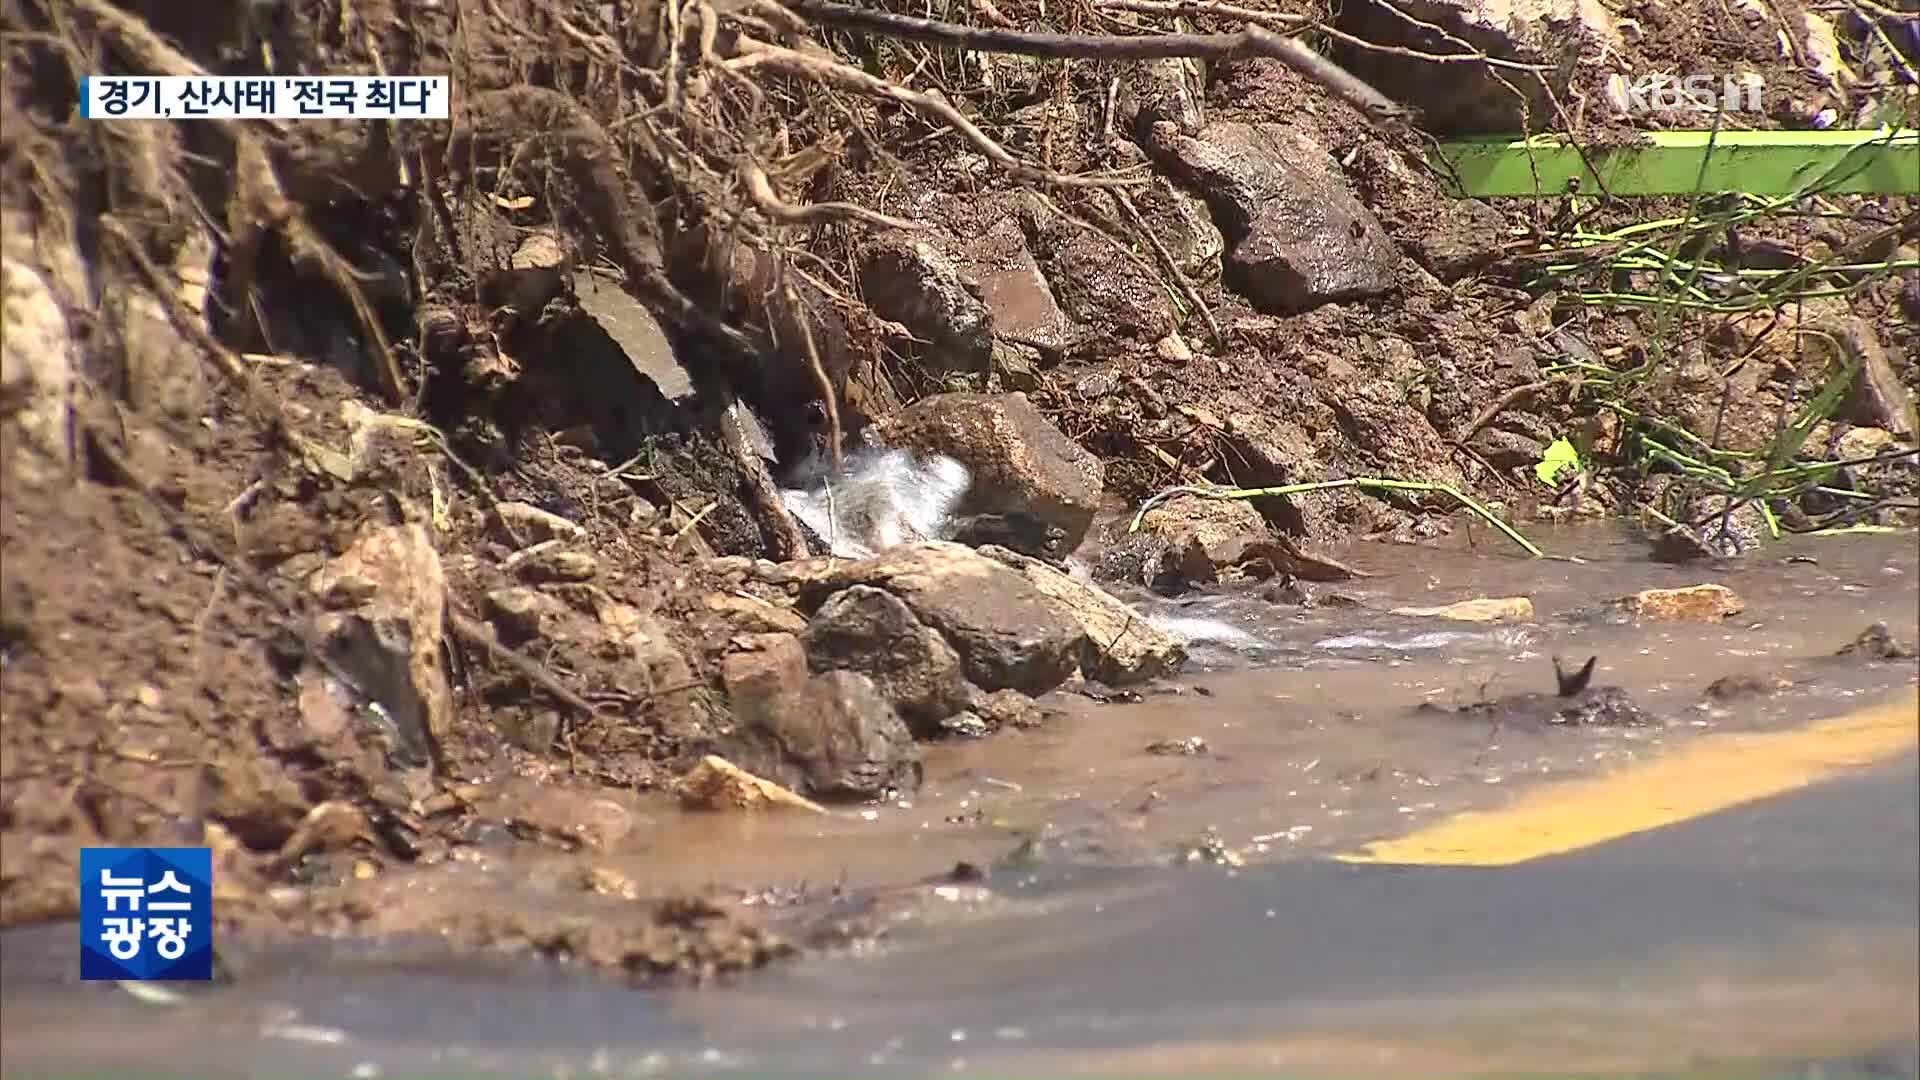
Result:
[{"x": 1171, "y": 913}]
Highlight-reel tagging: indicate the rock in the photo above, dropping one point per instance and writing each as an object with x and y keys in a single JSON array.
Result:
[
  {"x": 1009, "y": 634},
  {"x": 1876, "y": 642},
  {"x": 552, "y": 560},
  {"x": 521, "y": 613},
  {"x": 1100, "y": 287},
  {"x": 1024, "y": 533},
  {"x": 1216, "y": 523},
  {"x": 1174, "y": 567},
  {"x": 1185, "y": 225},
  {"x": 755, "y": 616},
  {"x": 1020, "y": 463},
  {"x": 574, "y": 818},
  {"x": 871, "y": 631},
  {"x": 1879, "y": 398},
  {"x": 36, "y": 359},
  {"x": 1746, "y": 684},
  {"x": 718, "y": 784},
  {"x": 1172, "y": 90},
  {"x": 532, "y": 525},
  {"x": 1860, "y": 443},
  {"x": 1120, "y": 646},
  {"x": 1297, "y": 237},
  {"x": 830, "y": 735},
  {"x": 758, "y": 682},
  {"x": 1014, "y": 290},
  {"x": 913, "y": 283},
  {"x": 1454, "y": 99},
  {"x": 635, "y": 332},
  {"x": 1191, "y": 746},
  {"x": 1486, "y": 610},
  {"x": 1694, "y": 603},
  {"x": 388, "y": 595},
  {"x": 165, "y": 375},
  {"x": 1006, "y": 709}
]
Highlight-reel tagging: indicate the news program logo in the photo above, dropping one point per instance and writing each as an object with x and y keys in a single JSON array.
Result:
[{"x": 146, "y": 914}]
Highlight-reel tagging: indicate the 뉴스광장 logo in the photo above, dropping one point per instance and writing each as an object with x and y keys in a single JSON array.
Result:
[{"x": 146, "y": 913}]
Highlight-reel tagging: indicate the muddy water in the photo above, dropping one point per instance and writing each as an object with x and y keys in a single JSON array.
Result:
[{"x": 1147, "y": 911}]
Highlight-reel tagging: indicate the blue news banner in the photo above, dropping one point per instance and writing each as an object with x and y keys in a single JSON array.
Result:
[{"x": 146, "y": 914}]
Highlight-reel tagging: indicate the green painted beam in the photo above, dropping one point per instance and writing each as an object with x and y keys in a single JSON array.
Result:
[{"x": 1762, "y": 163}]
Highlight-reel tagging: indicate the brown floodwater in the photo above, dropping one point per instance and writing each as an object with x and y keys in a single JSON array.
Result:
[{"x": 1150, "y": 913}]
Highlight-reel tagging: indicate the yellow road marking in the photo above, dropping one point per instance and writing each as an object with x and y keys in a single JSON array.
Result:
[{"x": 1712, "y": 773}]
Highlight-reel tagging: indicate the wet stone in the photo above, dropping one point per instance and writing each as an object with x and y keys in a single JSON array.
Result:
[{"x": 871, "y": 631}]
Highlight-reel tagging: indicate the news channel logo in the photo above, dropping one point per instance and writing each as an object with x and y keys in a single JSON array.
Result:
[
  {"x": 188, "y": 97},
  {"x": 146, "y": 914}
]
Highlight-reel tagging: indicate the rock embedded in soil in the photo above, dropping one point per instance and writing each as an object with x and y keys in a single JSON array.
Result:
[
  {"x": 755, "y": 616},
  {"x": 388, "y": 595},
  {"x": 524, "y": 524},
  {"x": 36, "y": 361},
  {"x": 873, "y": 632},
  {"x": 914, "y": 283},
  {"x": 1014, "y": 289},
  {"x": 1010, "y": 635},
  {"x": 1298, "y": 237},
  {"x": 1019, "y": 461},
  {"x": 1120, "y": 647},
  {"x": 832, "y": 735},
  {"x": 1694, "y": 603}
]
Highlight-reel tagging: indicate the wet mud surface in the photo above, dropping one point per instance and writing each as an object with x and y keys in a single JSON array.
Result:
[{"x": 1042, "y": 868}]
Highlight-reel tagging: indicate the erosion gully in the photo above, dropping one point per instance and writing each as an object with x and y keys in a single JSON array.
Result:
[{"x": 1150, "y": 913}]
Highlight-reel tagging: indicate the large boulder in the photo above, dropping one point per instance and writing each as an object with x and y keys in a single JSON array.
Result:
[
  {"x": 833, "y": 735},
  {"x": 1009, "y": 635},
  {"x": 873, "y": 632},
  {"x": 1298, "y": 237},
  {"x": 1120, "y": 646},
  {"x": 1019, "y": 461}
]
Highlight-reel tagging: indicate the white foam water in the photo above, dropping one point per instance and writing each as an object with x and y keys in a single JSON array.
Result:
[{"x": 879, "y": 498}]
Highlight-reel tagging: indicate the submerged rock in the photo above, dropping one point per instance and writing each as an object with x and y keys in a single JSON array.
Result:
[
  {"x": 1486, "y": 610},
  {"x": 1694, "y": 603},
  {"x": 832, "y": 736},
  {"x": 1599, "y": 706},
  {"x": 1020, "y": 463},
  {"x": 1876, "y": 642}
]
